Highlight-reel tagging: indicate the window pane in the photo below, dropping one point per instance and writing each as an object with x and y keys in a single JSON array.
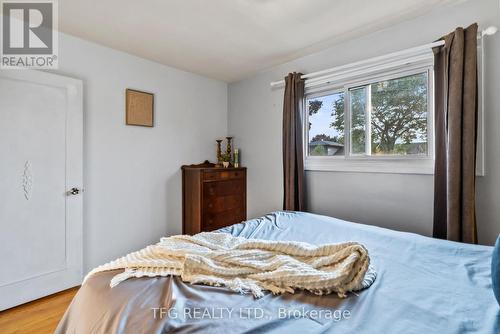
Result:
[
  {"x": 399, "y": 116},
  {"x": 326, "y": 125},
  {"x": 358, "y": 119}
]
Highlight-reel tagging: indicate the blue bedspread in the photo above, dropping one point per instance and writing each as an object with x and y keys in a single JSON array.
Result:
[{"x": 423, "y": 285}]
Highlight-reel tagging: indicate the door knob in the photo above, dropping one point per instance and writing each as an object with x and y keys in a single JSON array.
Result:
[{"x": 74, "y": 191}]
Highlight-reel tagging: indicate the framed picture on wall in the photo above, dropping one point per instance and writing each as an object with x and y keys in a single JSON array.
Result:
[{"x": 139, "y": 108}]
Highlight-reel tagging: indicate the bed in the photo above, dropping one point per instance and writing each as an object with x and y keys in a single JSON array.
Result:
[{"x": 423, "y": 285}]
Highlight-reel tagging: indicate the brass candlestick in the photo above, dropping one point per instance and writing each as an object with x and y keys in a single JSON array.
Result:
[
  {"x": 229, "y": 149},
  {"x": 219, "y": 152}
]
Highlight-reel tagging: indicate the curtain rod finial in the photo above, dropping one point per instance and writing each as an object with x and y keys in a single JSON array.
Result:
[{"x": 491, "y": 30}]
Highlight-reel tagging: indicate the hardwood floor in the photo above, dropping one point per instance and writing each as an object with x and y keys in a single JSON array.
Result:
[{"x": 39, "y": 316}]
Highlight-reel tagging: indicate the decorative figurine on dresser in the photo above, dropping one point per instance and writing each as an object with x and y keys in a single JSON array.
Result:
[{"x": 213, "y": 196}]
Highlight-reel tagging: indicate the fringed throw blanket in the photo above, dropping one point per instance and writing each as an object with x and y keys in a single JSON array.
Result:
[{"x": 250, "y": 265}]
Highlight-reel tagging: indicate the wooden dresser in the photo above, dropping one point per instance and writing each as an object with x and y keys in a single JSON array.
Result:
[{"x": 212, "y": 197}]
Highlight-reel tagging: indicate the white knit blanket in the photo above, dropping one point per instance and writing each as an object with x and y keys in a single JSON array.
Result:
[{"x": 250, "y": 265}]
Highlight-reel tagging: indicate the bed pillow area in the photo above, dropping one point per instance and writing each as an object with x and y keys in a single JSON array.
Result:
[{"x": 495, "y": 270}]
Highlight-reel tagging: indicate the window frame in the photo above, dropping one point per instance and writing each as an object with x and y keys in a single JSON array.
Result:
[{"x": 418, "y": 164}]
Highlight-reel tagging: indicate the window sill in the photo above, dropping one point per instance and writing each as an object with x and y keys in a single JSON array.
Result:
[{"x": 376, "y": 165}]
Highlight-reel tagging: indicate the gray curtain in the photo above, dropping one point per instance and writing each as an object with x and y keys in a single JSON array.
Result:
[
  {"x": 293, "y": 159},
  {"x": 456, "y": 97}
]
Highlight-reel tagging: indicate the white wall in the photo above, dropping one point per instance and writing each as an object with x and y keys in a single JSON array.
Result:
[
  {"x": 397, "y": 201},
  {"x": 132, "y": 174}
]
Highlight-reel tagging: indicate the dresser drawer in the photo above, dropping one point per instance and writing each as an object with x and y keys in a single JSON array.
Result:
[
  {"x": 213, "y": 221},
  {"x": 223, "y": 175},
  {"x": 214, "y": 204},
  {"x": 223, "y": 188}
]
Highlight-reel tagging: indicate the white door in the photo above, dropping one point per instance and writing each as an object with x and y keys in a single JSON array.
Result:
[{"x": 40, "y": 161}]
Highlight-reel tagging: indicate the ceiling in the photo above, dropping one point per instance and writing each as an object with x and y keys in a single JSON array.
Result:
[{"x": 230, "y": 39}]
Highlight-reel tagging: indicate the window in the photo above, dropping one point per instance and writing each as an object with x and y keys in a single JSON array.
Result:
[
  {"x": 326, "y": 113},
  {"x": 380, "y": 123},
  {"x": 376, "y": 115}
]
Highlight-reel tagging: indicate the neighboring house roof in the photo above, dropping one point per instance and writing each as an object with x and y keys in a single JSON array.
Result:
[{"x": 325, "y": 143}]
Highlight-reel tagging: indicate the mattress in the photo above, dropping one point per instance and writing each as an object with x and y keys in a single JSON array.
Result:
[{"x": 423, "y": 285}]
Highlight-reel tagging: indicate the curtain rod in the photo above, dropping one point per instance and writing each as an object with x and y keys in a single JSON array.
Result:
[{"x": 486, "y": 32}]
